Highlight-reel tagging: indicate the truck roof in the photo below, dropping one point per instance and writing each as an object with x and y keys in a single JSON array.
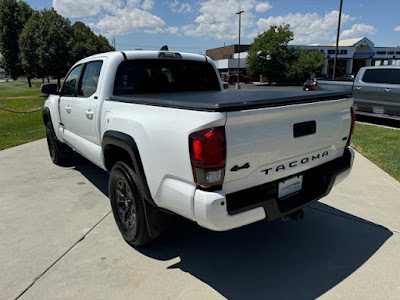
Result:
[{"x": 140, "y": 54}]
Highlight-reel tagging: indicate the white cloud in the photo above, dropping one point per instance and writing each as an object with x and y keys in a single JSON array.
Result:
[
  {"x": 397, "y": 28},
  {"x": 147, "y": 4},
  {"x": 77, "y": 9},
  {"x": 358, "y": 30},
  {"x": 118, "y": 16},
  {"x": 219, "y": 20},
  {"x": 172, "y": 29},
  {"x": 127, "y": 21},
  {"x": 263, "y": 7},
  {"x": 154, "y": 31},
  {"x": 180, "y": 7},
  {"x": 308, "y": 28}
]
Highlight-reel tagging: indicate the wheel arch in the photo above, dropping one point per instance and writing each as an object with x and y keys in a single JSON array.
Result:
[
  {"x": 46, "y": 115},
  {"x": 118, "y": 146}
]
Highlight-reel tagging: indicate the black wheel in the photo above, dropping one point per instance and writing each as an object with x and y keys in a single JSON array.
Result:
[
  {"x": 60, "y": 153},
  {"x": 127, "y": 202}
]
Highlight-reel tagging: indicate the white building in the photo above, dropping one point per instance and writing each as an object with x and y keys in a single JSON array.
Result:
[{"x": 352, "y": 55}]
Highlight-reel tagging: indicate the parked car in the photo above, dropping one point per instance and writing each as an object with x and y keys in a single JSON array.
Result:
[
  {"x": 176, "y": 143},
  {"x": 310, "y": 85},
  {"x": 346, "y": 77},
  {"x": 232, "y": 79}
]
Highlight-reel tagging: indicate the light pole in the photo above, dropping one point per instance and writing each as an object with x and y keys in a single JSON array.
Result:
[
  {"x": 337, "y": 40},
  {"x": 240, "y": 24}
]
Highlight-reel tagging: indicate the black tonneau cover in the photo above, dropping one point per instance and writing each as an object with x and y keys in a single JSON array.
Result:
[{"x": 230, "y": 100}]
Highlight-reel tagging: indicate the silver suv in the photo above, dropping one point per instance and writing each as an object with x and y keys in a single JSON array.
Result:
[{"x": 377, "y": 90}]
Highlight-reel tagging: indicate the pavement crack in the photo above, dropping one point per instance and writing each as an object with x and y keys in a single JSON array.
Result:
[{"x": 65, "y": 253}]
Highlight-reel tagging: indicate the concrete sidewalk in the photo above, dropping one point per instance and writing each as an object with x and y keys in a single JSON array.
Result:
[{"x": 59, "y": 241}]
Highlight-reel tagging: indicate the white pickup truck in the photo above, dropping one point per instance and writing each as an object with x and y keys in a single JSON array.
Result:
[{"x": 175, "y": 142}]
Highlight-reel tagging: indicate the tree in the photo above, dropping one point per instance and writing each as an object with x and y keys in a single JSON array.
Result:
[
  {"x": 269, "y": 53},
  {"x": 55, "y": 33},
  {"x": 307, "y": 62},
  {"x": 29, "y": 44},
  {"x": 84, "y": 42},
  {"x": 13, "y": 16}
]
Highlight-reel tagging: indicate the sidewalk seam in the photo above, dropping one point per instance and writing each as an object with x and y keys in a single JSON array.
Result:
[{"x": 65, "y": 253}]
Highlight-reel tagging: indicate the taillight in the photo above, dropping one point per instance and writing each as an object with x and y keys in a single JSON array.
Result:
[
  {"x": 314, "y": 83},
  {"x": 353, "y": 120},
  {"x": 207, "y": 149}
]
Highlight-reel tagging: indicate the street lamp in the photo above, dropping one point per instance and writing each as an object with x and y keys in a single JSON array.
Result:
[
  {"x": 240, "y": 24},
  {"x": 337, "y": 40}
]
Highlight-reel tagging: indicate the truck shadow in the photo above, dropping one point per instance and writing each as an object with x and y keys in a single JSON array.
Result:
[
  {"x": 274, "y": 260},
  {"x": 300, "y": 260}
]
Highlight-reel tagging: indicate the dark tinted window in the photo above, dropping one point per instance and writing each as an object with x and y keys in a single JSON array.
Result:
[
  {"x": 381, "y": 52},
  {"x": 391, "y": 76},
  {"x": 395, "y": 76},
  {"x": 90, "y": 78},
  {"x": 164, "y": 75},
  {"x": 377, "y": 76},
  {"x": 71, "y": 82}
]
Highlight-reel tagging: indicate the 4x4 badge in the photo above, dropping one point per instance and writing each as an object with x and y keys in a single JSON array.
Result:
[{"x": 237, "y": 168}]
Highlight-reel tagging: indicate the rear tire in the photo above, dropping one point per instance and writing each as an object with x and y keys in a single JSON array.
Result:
[
  {"x": 60, "y": 153},
  {"x": 127, "y": 202}
]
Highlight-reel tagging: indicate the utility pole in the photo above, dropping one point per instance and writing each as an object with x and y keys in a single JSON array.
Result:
[
  {"x": 337, "y": 40},
  {"x": 240, "y": 24},
  {"x": 113, "y": 42}
]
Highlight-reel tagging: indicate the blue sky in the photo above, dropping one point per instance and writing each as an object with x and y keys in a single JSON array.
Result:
[{"x": 194, "y": 26}]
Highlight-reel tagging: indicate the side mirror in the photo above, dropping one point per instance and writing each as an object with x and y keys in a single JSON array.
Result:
[{"x": 50, "y": 89}]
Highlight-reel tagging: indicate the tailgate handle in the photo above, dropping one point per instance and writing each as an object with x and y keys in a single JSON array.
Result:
[{"x": 304, "y": 128}]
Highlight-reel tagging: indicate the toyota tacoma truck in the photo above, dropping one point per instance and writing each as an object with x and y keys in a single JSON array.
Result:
[{"x": 175, "y": 142}]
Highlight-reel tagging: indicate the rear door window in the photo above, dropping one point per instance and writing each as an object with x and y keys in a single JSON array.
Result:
[
  {"x": 164, "y": 75},
  {"x": 90, "y": 78},
  {"x": 395, "y": 76}
]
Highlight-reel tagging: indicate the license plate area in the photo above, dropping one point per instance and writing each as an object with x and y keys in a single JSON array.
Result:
[{"x": 290, "y": 186}]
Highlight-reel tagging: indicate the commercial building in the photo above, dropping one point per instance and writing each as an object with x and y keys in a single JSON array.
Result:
[{"x": 352, "y": 55}]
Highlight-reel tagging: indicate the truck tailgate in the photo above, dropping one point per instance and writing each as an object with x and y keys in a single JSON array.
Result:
[{"x": 267, "y": 144}]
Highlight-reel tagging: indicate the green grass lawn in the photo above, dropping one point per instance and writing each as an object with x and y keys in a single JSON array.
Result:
[
  {"x": 16, "y": 129},
  {"x": 380, "y": 145}
]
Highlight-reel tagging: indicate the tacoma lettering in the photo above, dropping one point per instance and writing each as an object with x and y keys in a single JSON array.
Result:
[{"x": 295, "y": 163}]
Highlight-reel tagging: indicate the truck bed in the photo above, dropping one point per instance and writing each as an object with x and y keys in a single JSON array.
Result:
[{"x": 230, "y": 100}]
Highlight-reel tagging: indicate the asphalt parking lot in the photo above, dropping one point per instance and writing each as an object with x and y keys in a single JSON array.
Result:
[{"x": 59, "y": 241}]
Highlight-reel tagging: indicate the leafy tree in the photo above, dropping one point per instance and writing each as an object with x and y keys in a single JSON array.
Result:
[
  {"x": 52, "y": 53},
  {"x": 2, "y": 62},
  {"x": 269, "y": 53},
  {"x": 84, "y": 42},
  {"x": 306, "y": 63},
  {"x": 13, "y": 16},
  {"x": 29, "y": 44}
]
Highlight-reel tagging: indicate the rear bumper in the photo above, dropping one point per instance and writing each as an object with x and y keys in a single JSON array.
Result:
[{"x": 219, "y": 212}]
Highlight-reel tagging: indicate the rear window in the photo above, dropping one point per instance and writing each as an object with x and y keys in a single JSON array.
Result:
[
  {"x": 388, "y": 76},
  {"x": 164, "y": 75}
]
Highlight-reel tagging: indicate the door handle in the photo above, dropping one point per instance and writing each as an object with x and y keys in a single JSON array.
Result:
[
  {"x": 68, "y": 109},
  {"x": 388, "y": 90},
  {"x": 358, "y": 88},
  {"x": 89, "y": 114}
]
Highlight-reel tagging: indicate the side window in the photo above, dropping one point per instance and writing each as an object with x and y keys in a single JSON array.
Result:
[
  {"x": 377, "y": 75},
  {"x": 90, "y": 78},
  {"x": 71, "y": 82},
  {"x": 395, "y": 76}
]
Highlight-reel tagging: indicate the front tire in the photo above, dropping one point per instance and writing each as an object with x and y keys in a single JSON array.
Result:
[
  {"x": 127, "y": 202},
  {"x": 60, "y": 153}
]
